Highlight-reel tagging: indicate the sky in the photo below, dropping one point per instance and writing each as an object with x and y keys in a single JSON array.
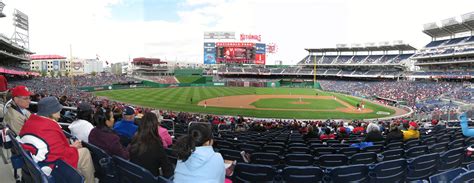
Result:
[{"x": 172, "y": 30}]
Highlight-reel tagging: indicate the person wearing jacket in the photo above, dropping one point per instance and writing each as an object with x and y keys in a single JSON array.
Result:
[
  {"x": 373, "y": 133},
  {"x": 43, "y": 137},
  {"x": 81, "y": 127},
  {"x": 163, "y": 132},
  {"x": 17, "y": 111},
  {"x": 466, "y": 131},
  {"x": 197, "y": 160},
  {"x": 104, "y": 137},
  {"x": 412, "y": 132},
  {"x": 146, "y": 148},
  {"x": 394, "y": 134}
]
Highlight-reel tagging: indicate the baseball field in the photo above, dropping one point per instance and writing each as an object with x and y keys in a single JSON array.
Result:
[{"x": 287, "y": 103}]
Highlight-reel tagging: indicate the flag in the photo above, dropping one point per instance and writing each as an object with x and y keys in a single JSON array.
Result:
[
  {"x": 107, "y": 62},
  {"x": 97, "y": 56}
]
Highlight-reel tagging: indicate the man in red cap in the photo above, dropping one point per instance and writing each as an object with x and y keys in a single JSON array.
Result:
[
  {"x": 17, "y": 112},
  {"x": 412, "y": 132}
]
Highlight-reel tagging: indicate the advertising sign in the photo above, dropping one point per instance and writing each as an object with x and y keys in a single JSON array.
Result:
[
  {"x": 219, "y": 35},
  {"x": 56, "y": 65},
  {"x": 209, "y": 53},
  {"x": 260, "y": 48}
]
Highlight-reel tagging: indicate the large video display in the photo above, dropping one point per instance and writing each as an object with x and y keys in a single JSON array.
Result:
[{"x": 234, "y": 52}]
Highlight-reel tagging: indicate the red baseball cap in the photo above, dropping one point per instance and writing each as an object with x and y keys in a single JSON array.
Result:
[
  {"x": 20, "y": 91},
  {"x": 413, "y": 124}
]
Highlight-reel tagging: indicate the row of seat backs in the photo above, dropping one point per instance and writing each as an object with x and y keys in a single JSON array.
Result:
[{"x": 387, "y": 171}]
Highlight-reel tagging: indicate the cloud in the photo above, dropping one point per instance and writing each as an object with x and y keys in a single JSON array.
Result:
[{"x": 91, "y": 28}]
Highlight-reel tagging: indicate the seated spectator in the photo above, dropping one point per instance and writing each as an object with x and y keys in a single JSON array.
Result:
[
  {"x": 197, "y": 161},
  {"x": 44, "y": 138},
  {"x": 327, "y": 134},
  {"x": 163, "y": 132},
  {"x": 146, "y": 148},
  {"x": 17, "y": 111},
  {"x": 412, "y": 132},
  {"x": 126, "y": 128},
  {"x": 82, "y": 126},
  {"x": 394, "y": 133},
  {"x": 466, "y": 131},
  {"x": 312, "y": 133},
  {"x": 342, "y": 133},
  {"x": 104, "y": 137},
  {"x": 359, "y": 129},
  {"x": 437, "y": 126},
  {"x": 373, "y": 133}
]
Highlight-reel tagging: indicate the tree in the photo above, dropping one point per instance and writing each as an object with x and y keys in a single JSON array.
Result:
[
  {"x": 93, "y": 73},
  {"x": 51, "y": 74},
  {"x": 66, "y": 74},
  {"x": 44, "y": 73},
  {"x": 59, "y": 74}
]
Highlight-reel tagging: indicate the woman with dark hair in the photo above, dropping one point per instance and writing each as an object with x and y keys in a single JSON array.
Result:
[
  {"x": 197, "y": 161},
  {"x": 81, "y": 127},
  {"x": 103, "y": 136},
  {"x": 327, "y": 134},
  {"x": 146, "y": 148}
]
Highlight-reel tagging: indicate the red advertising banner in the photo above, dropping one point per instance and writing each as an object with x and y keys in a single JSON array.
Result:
[
  {"x": 260, "y": 59},
  {"x": 250, "y": 37}
]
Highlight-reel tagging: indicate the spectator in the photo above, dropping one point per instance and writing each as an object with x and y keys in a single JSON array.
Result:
[
  {"x": 359, "y": 129},
  {"x": 373, "y": 133},
  {"x": 438, "y": 126},
  {"x": 102, "y": 135},
  {"x": 163, "y": 132},
  {"x": 146, "y": 148},
  {"x": 342, "y": 133},
  {"x": 197, "y": 161},
  {"x": 327, "y": 134},
  {"x": 126, "y": 128},
  {"x": 412, "y": 132},
  {"x": 466, "y": 131},
  {"x": 312, "y": 133},
  {"x": 394, "y": 134},
  {"x": 82, "y": 126},
  {"x": 42, "y": 136},
  {"x": 17, "y": 112}
]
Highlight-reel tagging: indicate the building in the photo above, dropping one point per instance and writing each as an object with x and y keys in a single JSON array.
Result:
[
  {"x": 116, "y": 69},
  {"x": 50, "y": 64},
  {"x": 93, "y": 65}
]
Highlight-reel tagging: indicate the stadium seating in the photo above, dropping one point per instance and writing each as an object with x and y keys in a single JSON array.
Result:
[
  {"x": 244, "y": 172},
  {"x": 103, "y": 163},
  {"x": 422, "y": 167},
  {"x": 447, "y": 176},
  {"x": 302, "y": 174},
  {"x": 388, "y": 171},
  {"x": 131, "y": 173}
]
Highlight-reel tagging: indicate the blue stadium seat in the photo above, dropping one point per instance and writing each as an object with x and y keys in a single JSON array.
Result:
[
  {"x": 339, "y": 146},
  {"x": 364, "y": 158},
  {"x": 221, "y": 144},
  {"x": 464, "y": 177},
  {"x": 32, "y": 172},
  {"x": 324, "y": 150},
  {"x": 388, "y": 171},
  {"x": 451, "y": 159},
  {"x": 393, "y": 154},
  {"x": 131, "y": 173},
  {"x": 299, "y": 150},
  {"x": 411, "y": 143},
  {"x": 348, "y": 151},
  {"x": 428, "y": 141},
  {"x": 317, "y": 145},
  {"x": 438, "y": 147},
  {"x": 456, "y": 144},
  {"x": 64, "y": 173},
  {"x": 265, "y": 159},
  {"x": 470, "y": 166},
  {"x": 294, "y": 144},
  {"x": 273, "y": 149},
  {"x": 230, "y": 154},
  {"x": 103, "y": 163},
  {"x": 416, "y": 151},
  {"x": 249, "y": 148},
  {"x": 374, "y": 148},
  {"x": 299, "y": 160},
  {"x": 447, "y": 176},
  {"x": 394, "y": 145},
  {"x": 444, "y": 138},
  {"x": 333, "y": 160},
  {"x": 302, "y": 174},
  {"x": 244, "y": 172},
  {"x": 351, "y": 173},
  {"x": 422, "y": 166}
]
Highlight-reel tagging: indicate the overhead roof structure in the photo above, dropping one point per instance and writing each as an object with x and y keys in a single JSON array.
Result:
[
  {"x": 397, "y": 47},
  {"x": 450, "y": 26}
]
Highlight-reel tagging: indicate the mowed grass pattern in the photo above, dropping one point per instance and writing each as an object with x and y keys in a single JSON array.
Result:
[
  {"x": 287, "y": 103},
  {"x": 186, "y": 99}
]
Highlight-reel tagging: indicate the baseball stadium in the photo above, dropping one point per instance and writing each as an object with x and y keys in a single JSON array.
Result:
[{"x": 373, "y": 112}]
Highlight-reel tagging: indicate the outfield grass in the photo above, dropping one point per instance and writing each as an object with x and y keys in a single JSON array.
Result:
[
  {"x": 179, "y": 99},
  {"x": 287, "y": 103}
]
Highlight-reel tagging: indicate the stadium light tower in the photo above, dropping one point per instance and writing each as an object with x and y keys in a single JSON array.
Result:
[{"x": 2, "y": 5}]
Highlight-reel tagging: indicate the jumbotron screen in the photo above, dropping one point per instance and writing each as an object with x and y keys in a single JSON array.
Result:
[{"x": 234, "y": 52}]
